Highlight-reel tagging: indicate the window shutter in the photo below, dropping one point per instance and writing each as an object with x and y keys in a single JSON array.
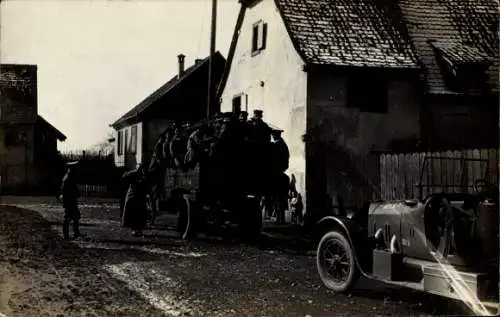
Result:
[{"x": 264, "y": 36}]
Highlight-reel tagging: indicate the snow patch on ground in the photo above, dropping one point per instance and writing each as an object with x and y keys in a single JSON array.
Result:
[
  {"x": 153, "y": 250},
  {"x": 138, "y": 278}
]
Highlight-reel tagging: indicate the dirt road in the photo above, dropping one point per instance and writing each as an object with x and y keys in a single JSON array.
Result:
[{"x": 109, "y": 273}]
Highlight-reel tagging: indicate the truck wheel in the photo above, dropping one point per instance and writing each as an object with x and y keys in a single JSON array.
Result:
[
  {"x": 185, "y": 221},
  {"x": 335, "y": 262}
]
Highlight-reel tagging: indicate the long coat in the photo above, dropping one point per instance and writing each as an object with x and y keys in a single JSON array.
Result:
[
  {"x": 69, "y": 191},
  {"x": 134, "y": 213}
]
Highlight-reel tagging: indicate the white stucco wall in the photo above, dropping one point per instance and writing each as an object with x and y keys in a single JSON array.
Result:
[
  {"x": 279, "y": 67},
  {"x": 132, "y": 159}
]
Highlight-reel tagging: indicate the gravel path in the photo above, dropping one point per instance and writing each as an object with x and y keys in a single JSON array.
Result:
[{"x": 109, "y": 273}]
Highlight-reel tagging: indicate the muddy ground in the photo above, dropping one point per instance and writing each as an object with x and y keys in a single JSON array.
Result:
[{"x": 109, "y": 273}]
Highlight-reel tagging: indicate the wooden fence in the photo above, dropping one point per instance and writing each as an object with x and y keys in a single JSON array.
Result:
[
  {"x": 419, "y": 174},
  {"x": 86, "y": 190}
]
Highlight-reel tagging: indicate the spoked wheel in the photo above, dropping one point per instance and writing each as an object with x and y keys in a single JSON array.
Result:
[
  {"x": 185, "y": 221},
  {"x": 335, "y": 261}
]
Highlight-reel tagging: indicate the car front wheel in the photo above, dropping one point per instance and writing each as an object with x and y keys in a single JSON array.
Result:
[{"x": 336, "y": 263}]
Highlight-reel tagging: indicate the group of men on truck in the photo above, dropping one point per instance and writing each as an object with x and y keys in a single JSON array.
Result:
[{"x": 240, "y": 155}]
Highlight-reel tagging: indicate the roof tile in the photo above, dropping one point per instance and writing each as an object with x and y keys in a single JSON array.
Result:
[
  {"x": 452, "y": 23},
  {"x": 346, "y": 33}
]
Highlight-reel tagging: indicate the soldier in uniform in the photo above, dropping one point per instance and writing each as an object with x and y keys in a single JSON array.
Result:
[
  {"x": 69, "y": 197},
  {"x": 217, "y": 124},
  {"x": 259, "y": 130},
  {"x": 134, "y": 214},
  {"x": 259, "y": 139},
  {"x": 178, "y": 147}
]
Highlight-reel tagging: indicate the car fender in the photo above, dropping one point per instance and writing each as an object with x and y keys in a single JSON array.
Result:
[{"x": 352, "y": 235}]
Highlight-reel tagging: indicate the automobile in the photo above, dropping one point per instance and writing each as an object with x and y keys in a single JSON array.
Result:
[{"x": 445, "y": 242}]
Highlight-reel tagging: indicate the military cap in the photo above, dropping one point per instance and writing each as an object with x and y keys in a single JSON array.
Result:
[
  {"x": 258, "y": 112},
  {"x": 276, "y": 132},
  {"x": 244, "y": 113}
]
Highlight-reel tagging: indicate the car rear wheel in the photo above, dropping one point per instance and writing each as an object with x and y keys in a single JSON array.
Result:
[{"x": 335, "y": 262}]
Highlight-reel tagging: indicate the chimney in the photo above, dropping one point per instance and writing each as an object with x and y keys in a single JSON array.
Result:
[
  {"x": 197, "y": 61},
  {"x": 180, "y": 57}
]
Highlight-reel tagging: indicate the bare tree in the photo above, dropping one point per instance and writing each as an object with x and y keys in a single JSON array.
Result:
[{"x": 106, "y": 146}]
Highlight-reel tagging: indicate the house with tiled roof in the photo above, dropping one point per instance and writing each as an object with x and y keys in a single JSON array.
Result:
[
  {"x": 347, "y": 79},
  {"x": 339, "y": 77},
  {"x": 183, "y": 98},
  {"x": 28, "y": 142},
  {"x": 457, "y": 44}
]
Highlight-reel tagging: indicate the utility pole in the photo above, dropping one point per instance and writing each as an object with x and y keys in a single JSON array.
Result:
[{"x": 211, "y": 84}]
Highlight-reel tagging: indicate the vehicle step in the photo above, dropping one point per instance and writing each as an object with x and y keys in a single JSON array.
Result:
[{"x": 419, "y": 263}]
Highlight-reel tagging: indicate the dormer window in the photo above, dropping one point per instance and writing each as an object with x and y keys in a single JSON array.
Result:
[
  {"x": 464, "y": 67},
  {"x": 259, "y": 37}
]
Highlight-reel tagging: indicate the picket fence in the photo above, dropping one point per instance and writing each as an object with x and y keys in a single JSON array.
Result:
[
  {"x": 89, "y": 190},
  {"x": 453, "y": 171}
]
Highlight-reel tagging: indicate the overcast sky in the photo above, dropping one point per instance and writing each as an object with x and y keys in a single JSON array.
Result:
[{"x": 98, "y": 58}]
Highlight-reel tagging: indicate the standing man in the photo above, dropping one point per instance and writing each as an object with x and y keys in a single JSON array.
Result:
[
  {"x": 259, "y": 138},
  {"x": 69, "y": 197},
  {"x": 135, "y": 214}
]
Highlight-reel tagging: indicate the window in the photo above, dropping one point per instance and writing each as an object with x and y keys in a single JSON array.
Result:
[
  {"x": 237, "y": 104},
  {"x": 259, "y": 37},
  {"x": 119, "y": 143},
  {"x": 368, "y": 94},
  {"x": 133, "y": 140},
  {"x": 127, "y": 145},
  {"x": 240, "y": 103}
]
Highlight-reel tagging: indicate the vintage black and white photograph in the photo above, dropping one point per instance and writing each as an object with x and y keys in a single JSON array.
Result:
[{"x": 249, "y": 158}]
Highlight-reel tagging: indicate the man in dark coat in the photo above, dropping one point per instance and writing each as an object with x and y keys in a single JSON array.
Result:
[
  {"x": 259, "y": 139},
  {"x": 69, "y": 197},
  {"x": 259, "y": 130},
  {"x": 242, "y": 127},
  {"x": 134, "y": 214},
  {"x": 178, "y": 147}
]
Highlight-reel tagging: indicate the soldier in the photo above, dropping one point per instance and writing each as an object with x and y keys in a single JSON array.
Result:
[
  {"x": 217, "y": 124},
  {"x": 260, "y": 131},
  {"x": 280, "y": 152},
  {"x": 69, "y": 197},
  {"x": 178, "y": 147},
  {"x": 259, "y": 139},
  {"x": 134, "y": 214},
  {"x": 195, "y": 144}
]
